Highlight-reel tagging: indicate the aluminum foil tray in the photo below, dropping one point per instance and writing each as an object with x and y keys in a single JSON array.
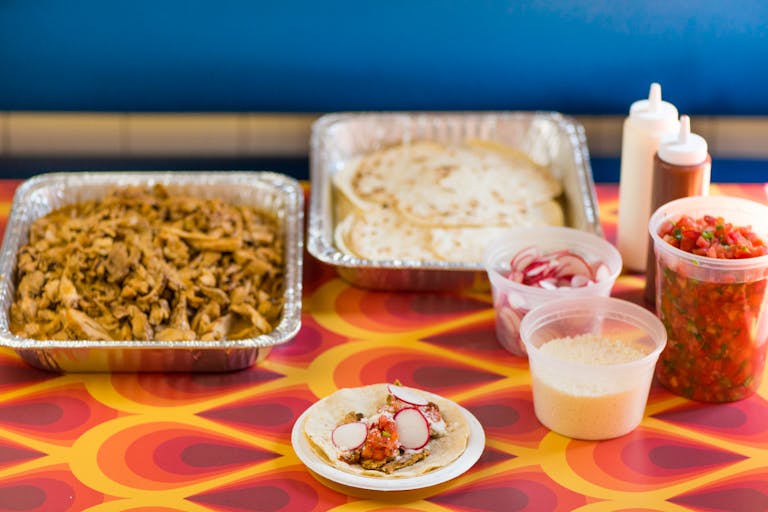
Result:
[
  {"x": 268, "y": 191},
  {"x": 549, "y": 138}
]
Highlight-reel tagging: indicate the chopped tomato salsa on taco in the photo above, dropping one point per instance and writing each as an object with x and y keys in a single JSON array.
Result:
[{"x": 387, "y": 430}]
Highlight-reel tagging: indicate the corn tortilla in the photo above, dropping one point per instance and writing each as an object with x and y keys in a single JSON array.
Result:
[{"x": 330, "y": 411}]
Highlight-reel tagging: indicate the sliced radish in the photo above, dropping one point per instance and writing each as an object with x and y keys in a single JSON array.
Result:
[
  {"x": 556, "y": 254},
  {"x": 578, "y": 281},
  {"x": 557, "y": 269},
  {"x": 515, "y": 300},
  {"x": 406, "y": 395},
  {"x": 573, "y": 265},
  {"x": 511, "y": 320},
  {"x": 523, "y": 257},
  {"x": 516, "y": 276},
  {"x": 508, "y": 330},
  {"x": 349, "y": 436},
  {"x": 541, "y": 268},
  {"x": 549, "y": 283},
  {"x": 602, "y": 272},
  {"x": 536, "y": 267},
  {"x": 412, "y": 428}
]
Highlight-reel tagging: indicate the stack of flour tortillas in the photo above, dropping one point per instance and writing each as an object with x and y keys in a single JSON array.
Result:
[{"x": 428, "y": 201}]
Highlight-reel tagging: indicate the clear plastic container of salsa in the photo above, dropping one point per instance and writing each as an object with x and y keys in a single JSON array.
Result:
[{"x": 714, "y": 304}]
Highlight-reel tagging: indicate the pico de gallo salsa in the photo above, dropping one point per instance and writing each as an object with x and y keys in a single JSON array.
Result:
[{"x": 716, "y": 348}]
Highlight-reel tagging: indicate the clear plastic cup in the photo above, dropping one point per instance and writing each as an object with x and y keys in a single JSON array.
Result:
[
  {"x": 715, "y": 310},
  {"x": 598, "y": 399},
  {"x": 512, "y": 300}
]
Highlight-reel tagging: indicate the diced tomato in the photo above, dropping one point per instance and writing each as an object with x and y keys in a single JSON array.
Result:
[
  {"x": 713, "y": 353},
  {"x": 712, "y": 236},
  {"x": 381, "y": 443}
]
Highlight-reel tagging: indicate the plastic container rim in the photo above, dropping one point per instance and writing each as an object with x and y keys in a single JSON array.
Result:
[
  {"x": 578, "y": 237},
  {"x": 724, "y": 201},
  {"x": 576, "y": 306}
]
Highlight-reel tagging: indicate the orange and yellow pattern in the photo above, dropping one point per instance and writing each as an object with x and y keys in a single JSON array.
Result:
[{"x": 221, "y": 442}]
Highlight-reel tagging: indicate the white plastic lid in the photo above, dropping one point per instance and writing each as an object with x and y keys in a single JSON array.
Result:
[
  {"x": 683, "y": 148},
  {"x": 653, "y": 113}
]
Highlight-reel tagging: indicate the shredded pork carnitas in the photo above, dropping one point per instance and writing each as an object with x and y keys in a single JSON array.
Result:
[{"x": 149, "y": 264}]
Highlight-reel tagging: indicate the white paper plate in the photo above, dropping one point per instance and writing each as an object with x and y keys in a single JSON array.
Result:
[{"x": 475, "y": 447}]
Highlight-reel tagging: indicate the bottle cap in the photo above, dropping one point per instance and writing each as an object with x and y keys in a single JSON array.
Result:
[
  {"x": 653, "y": 113},
  {"x": 683, "y": 148}
]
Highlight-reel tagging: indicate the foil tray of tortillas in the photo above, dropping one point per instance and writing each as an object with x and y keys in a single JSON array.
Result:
[{"x": 409, "y": 200}]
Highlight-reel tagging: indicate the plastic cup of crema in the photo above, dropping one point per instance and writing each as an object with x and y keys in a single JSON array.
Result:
[
  {"x": 715, "y": 310},
  {"x": 589, "y": 400},
  {"x": 513, "y": 300}
]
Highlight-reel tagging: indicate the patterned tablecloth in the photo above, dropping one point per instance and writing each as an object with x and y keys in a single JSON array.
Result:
[{"x": 221, "y": 442}]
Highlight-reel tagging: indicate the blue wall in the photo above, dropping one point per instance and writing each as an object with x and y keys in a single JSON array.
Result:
[{"x": 587, "y": 57}]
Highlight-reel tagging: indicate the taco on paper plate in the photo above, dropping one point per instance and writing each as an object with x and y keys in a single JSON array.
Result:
[{"x": 387, "y": 430}]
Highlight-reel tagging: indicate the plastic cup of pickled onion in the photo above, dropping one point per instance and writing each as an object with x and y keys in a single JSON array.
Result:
[
  {"x": 592, "y": 363},
  {"x": 528, "y": 267}
]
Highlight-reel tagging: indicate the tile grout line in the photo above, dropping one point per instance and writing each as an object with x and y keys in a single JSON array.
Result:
[
  {"x": 123, "y": 134},
  {"x": 5, "y": 143}
]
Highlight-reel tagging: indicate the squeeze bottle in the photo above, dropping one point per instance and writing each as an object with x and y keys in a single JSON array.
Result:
[
  {"x": 681, "y": 167},
  {"x": 649, "y": 120}
]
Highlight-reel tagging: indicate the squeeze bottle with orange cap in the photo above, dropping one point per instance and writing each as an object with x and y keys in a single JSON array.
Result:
[
  {"x": 681, "y": 167},
  {"x": 649, "y": 120}
]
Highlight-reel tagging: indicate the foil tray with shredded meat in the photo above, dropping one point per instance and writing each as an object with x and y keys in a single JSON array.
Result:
[{"x": 129, "y": 262}]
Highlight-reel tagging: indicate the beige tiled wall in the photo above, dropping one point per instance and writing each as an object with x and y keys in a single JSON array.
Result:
[
  {"x": 604, "y": 133},
  {"x": 62, "y": 134},
  {"x": 742, "y": 137},
  {"x": 182, "y": 134},
  {"x": 24, "y": 134},
  {"x": 278, "y": 135},
  {"x": 275, "y": 134}
]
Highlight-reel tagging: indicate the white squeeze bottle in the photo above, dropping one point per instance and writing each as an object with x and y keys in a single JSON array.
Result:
[{"x": 649, "y": 120}]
